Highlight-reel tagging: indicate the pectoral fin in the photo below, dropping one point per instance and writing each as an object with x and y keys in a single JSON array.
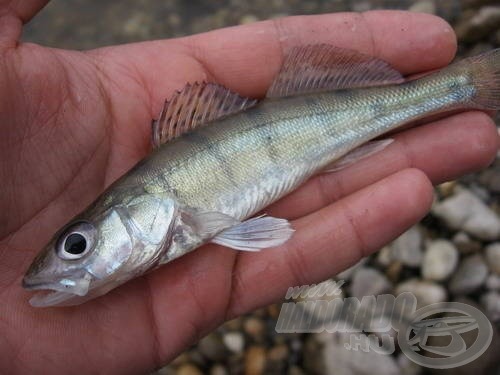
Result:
[{"x": 255, "y": 234}]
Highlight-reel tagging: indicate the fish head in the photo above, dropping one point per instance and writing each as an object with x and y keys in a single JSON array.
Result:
[{"x": 93, "y": 254}]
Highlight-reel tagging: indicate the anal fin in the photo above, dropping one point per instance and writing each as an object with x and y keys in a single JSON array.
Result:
[
  {"x": 196, "y": 105},
  {"x": 358, "y": 154},
  {"x": 322, "y": 67}
]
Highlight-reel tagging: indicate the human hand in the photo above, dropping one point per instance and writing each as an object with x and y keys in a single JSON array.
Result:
[{"x": 72, "y": 122}]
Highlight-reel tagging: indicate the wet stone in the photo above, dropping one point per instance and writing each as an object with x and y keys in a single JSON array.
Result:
[{"x": 492, "y": 252}]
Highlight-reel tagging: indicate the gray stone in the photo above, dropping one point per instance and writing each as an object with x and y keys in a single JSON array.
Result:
[
  {"x": 470, "y": 275},
  {"x": 464, "y": 211},
  {"x": 369, "y": 282},
  {"x": 493, "y": 257},
  {"x": 407, "y": 248},
  {"x": 440, "y": 260},
  {"x": 493, "y": 282},
  {"x": 427, "y": 292},
  {"x": 491, "y": 177},
  {"x": 491, "y": 304},
  {"x": 212, "y": 347}
]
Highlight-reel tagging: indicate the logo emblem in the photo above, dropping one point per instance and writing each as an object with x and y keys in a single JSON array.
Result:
[{"x": 414, "y": 335}]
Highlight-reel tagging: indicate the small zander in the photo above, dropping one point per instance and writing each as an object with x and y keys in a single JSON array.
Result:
[{"x": 202, "y": 183}]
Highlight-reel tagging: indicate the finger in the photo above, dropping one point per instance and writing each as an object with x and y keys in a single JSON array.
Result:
[
  {"x": 246, "y": 58},
  {"x": 12, "y": 15},
  {"x": 443, "y": 150},
  {"x": 332, "y": 239},
  {"x": 24, "y": 10}
]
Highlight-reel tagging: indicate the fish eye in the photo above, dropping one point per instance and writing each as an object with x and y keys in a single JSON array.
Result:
[{"x": 76, "y": 241}]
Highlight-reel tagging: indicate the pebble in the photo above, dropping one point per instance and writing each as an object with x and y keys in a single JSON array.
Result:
[
  {"x": 166, "y": 370},
  {"x": 407, "y": 248},
  {"x": 424, "y": 6},
  {"x": 493, "y": 257},
  {"x": 464, "y": 211},
  {"x": 180, "y": 359},
  {"x": 491, "y": 177},
  {"x": 188, "y": 369},
  {"x": 369, "y": 282},
  {"x": 483, "y": 23},
  {"x": 276, "y": 359},
  {"x": 440, "y": 260},
  {"x": 465, "y": 244},
  {"x": 470, "y": 275},
  {"x": 347, "y": 274},
  {"x": 384, "y": 257},
  {"x": 427, "y": 292},
  {"x": 234, "y": 341},
  {"x": 254, "y": 328},
  {"x": 408, "y": 367},
  {"x": 393, "y": 271},
  {"x": 493, "y": 282},
  {"x": 491, "y": 304},
  {"x": 295, "y": 370},
  {"x": 234, "y": 324},
  {"x": 212, "y": 347},
  {"x": 446, "y": 188},
  {"x": 248, "y": 18},
  {"x": 255, "y": 360},
  {"x": 340, "y": 361},
  {"x": 218, "y": 369}
]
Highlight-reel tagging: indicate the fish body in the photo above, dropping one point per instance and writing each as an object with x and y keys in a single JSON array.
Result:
[{"x": 203, "y": 185}]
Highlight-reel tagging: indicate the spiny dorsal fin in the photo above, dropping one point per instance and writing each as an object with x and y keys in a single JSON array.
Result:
[
  {"x": 196, "y": 105},
  {"x": 322, "y": 67}
]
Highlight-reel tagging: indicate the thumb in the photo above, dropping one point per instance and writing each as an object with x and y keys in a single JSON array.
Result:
[{"x": 13, "y": 14}]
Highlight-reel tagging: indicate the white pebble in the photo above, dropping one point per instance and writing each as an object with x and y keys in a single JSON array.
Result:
[
  {"x": 234, "y": 341},
  {"x": 440, "y": 260},
  {"x": 427, "y": 292},
  {"x": 464, "y": 211}
]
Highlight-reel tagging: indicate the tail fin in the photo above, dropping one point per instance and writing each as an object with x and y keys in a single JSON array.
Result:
[{"x": 485, "y": 75}]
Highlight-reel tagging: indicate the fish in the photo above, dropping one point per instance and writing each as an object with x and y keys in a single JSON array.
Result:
[{"x": 220, "y": 158}]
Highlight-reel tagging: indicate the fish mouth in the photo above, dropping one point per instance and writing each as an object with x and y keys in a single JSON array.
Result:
[{"x": 64, "y": 292}]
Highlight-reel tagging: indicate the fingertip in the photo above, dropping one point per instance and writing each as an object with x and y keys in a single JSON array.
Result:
[
  {"x": 422, "y": 41},
  {"x": 418, "y": 183},
  {"x": 484, "y": 139}
]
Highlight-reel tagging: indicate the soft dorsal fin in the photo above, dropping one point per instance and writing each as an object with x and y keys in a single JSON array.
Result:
[
  {"x": 322, "y": 67},
  {"x": 196, "y": 105}
]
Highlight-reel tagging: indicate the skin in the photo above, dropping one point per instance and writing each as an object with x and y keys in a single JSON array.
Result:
[{"x": 72, "y": 122}]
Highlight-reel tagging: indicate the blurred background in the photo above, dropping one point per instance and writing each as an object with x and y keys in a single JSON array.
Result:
[{"x": 444, "y": 258}]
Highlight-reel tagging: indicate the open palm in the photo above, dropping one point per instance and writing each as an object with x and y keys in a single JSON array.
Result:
[{"x": 72, "y": 122}]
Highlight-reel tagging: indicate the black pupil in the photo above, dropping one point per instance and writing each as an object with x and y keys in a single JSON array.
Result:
[{"x": 75, "y": 244}]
